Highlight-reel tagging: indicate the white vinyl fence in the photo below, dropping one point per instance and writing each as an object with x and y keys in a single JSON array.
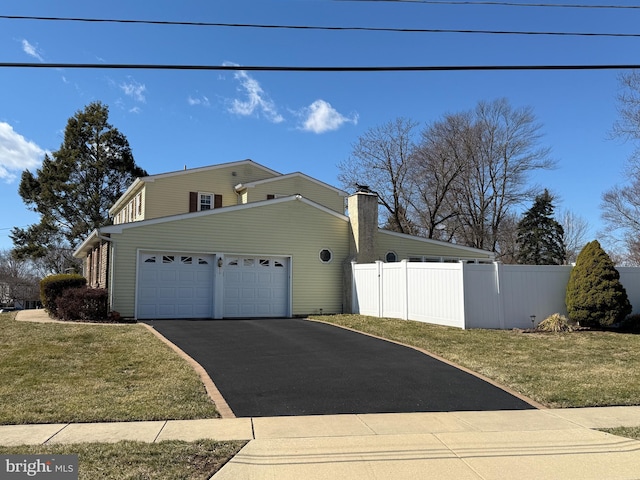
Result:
[{"x": 468, "y": 295}]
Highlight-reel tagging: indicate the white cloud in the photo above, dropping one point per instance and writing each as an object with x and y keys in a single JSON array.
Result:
[
  {"x": 257, "y": 101},
  {"x": 134, "y": 90},
  {"x": 31, "y": 50},
  {"x": 203, "y": 101},
  {"x": 16, "y": 153},
  {"x": 321, "y": 117}
]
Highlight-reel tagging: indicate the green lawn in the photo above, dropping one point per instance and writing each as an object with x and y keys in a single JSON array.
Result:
[
  {"x": 170, "y": 460},
  {"x": 53, "y": 373},
  {"x": 579, "y": 369},
  {"x": 629, "y": 432},
  {"x": 83, "y": 373}
]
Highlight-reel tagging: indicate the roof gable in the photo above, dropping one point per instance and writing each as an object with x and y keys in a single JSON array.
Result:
[
  {"x": 242, "y": 186},
  {"x": 138, "y": 183},
  {"x": 207, "y": 168}
]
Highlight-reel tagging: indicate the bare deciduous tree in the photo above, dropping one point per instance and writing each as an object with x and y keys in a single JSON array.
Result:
[
  {"x": 381, "y": 160},
  {"x": 621, "y": 204},
  {"x": 18, "y": 283},
  {"x": 576, "y": 231},
  {"x": 506, "y": 151},
  {"x": 628, "y": 124},
  {"x": 439, "y": 161},
  {"x": 486, "y": 156},
  {"x": 460, "y": 181}
]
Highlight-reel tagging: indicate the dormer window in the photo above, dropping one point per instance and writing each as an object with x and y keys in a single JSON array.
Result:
[
  {"x": 199, "y": 201},
  {"x": 205, "y": 201}
]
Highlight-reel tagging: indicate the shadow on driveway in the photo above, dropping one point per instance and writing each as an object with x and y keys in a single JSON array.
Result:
[{"x": 276, "y": 367}]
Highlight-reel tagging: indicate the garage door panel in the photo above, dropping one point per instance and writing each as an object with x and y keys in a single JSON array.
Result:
[
  {"x": 264, "y": 294},
  {"x": 202, "y": 293},
  {"x": 167, "y": 276},
  {"x": 185, "y": 293},
  {"x": 249, "y": 277},
  {"x": 202, "y": 277},
  {"x": 148, "y": 276},
  {"x": 256, "y": 287},
  {"x": 280, "y": 294},
  {"x": 186, "y": 276},
  {"x": 231, "y": 294},
  {"x": 174, "y": 285}
]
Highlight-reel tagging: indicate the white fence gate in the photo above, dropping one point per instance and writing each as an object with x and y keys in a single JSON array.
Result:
[{"x": 468, "y": 295}]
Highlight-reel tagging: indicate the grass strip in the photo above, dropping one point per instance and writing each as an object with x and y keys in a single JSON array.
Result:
[
  {"x": 170, "y": 460},
  {"x": 578, "y": 369},
  {"x": 58, "y": 373},
  {"x": 629, "y": 432}
]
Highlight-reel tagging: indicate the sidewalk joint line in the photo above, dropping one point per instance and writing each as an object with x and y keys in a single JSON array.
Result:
[
  {"x": 159, "y": 432},
  {"x": 253, "y": 430},
  {"x": 359, "y": 417},
  {"x": 56, "y": 433}
]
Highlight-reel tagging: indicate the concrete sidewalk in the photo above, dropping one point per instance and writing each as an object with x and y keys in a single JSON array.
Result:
[{"x": 527, "y": 444}]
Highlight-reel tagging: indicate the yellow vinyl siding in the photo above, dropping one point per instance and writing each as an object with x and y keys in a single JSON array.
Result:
[
  {"x": 297, "y": 185},
  {"x": 166, "y": 196},
  {"x": 136, "y": 199},
  {"x": 271, "y": 229},
  {"x": 404, "y": 247}
]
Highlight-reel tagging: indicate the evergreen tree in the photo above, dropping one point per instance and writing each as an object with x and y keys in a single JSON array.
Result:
[
  {"x": 595, "y": 297},
  {"x": 75, "y": 187},
  {"x": 540, "y": 238}
]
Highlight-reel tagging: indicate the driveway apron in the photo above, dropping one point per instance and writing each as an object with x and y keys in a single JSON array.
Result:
[{"x": 277, "y": 367}]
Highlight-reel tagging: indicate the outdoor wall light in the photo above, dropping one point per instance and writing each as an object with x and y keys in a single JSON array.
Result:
[
  {"x": 533, "y": 320},
  {"x": 219, "y": 262}
]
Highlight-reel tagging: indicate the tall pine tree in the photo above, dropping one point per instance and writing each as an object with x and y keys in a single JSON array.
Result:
[
  {"x": 76, "y": 185},
  {"x": 540, "y": 238}
]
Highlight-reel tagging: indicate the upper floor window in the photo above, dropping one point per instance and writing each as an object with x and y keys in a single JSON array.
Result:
[
  {"x": 205, "y": 201},
  {"x": 199, "y": 201}
]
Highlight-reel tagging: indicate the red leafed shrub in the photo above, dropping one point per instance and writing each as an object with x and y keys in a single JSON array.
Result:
[
  {"x": 53, "y": 286},
  {"x": 83, "y": 304}
]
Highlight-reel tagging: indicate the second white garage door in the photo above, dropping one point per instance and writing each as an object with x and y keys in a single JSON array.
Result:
[{"x": 256, "y": 286}]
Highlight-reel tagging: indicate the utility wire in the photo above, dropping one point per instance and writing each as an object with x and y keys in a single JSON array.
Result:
[
  {"x": 503, "y": 4},
  {"x": 310, "y": 27},
  {"x": 416, "y": 68}
]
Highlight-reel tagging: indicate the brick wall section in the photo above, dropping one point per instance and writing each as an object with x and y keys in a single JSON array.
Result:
[
  {"x": 97, "y": 266},
  {"x": 104, "y": 265}
]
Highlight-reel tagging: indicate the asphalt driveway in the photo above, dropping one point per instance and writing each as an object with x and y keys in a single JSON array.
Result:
[{"x": 297, "y": 367}]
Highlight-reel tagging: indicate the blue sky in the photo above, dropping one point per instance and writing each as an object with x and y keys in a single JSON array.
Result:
[{"x": 294, "y": 121}]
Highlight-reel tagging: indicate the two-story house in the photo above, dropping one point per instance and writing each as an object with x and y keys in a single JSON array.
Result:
[{"x": 240, "y": 240}]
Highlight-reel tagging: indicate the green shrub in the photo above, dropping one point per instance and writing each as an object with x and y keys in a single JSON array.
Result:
[
  {"x": 595, "y": 297},
  {"x": 80, "y": 304},
  {"x": 52, "y": 287},
  {"x": 556, "y": 323}
]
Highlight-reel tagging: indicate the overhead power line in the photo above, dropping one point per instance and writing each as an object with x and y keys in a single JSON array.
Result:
[
  {"x": 272, "y": 68},
  {"x": 325, "y": 28},
  {"x": 503, "y": 4}
]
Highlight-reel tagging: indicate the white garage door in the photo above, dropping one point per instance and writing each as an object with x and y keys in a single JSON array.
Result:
[
  {"x": 175, "y": 285},
  {"x": 256, "y": 286}
]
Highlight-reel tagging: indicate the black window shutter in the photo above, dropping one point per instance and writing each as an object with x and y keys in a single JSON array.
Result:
[
  {"x": 217, "y": 201},
  {"x": 270, "y": 196},
  {"x": 193, "y": 201}
]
